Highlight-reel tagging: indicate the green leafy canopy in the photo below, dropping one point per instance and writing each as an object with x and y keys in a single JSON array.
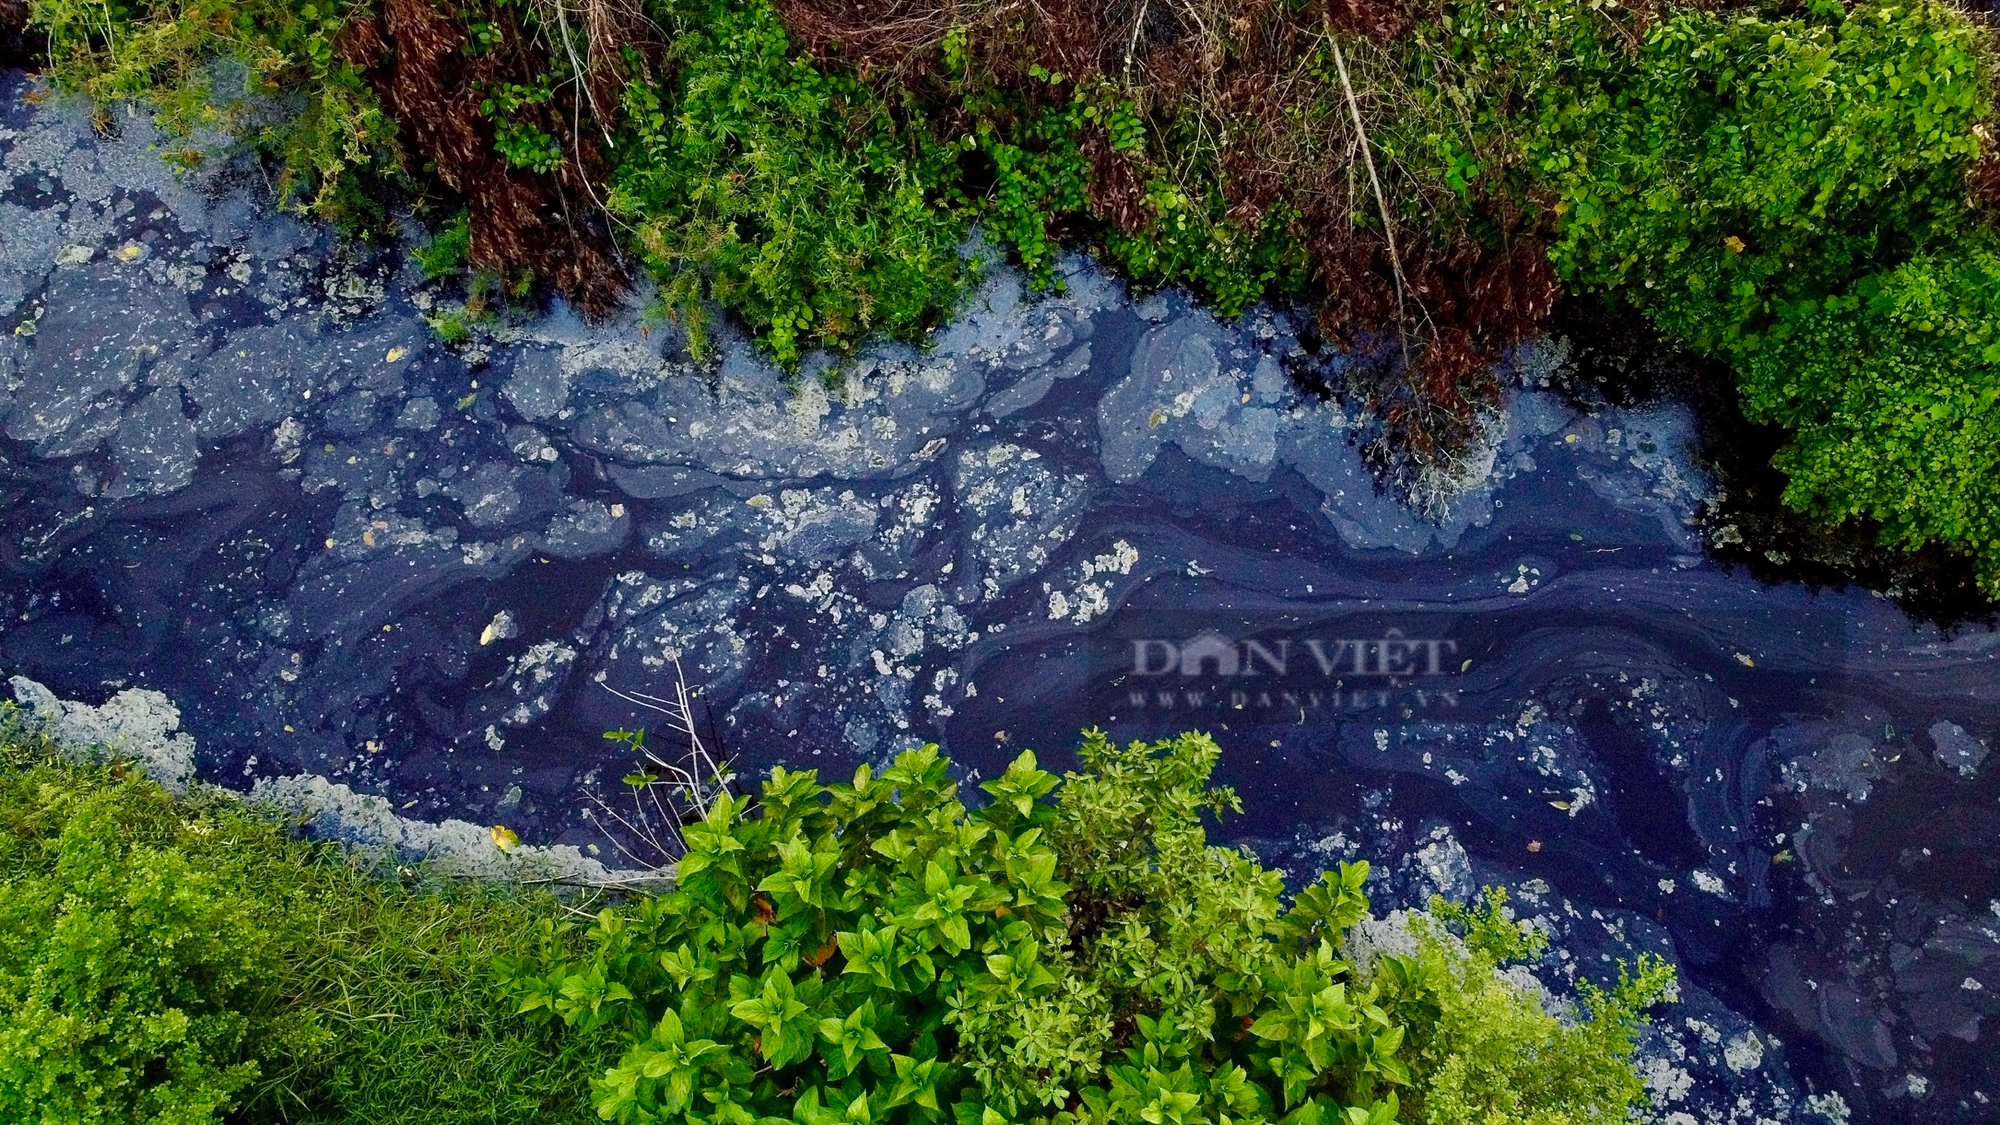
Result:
[
  {"x": 1788, "y": 193},
  {"x": 1071, "y": 951}
]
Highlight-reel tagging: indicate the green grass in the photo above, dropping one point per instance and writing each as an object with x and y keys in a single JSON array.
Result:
[
  {"x": 180, "y": 962},
  {"x": 403, "y": 981}
]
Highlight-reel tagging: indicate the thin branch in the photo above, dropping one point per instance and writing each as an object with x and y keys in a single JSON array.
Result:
[
  {"x": 1375, "y": 181},
  {"x": 1132, "y": 44},
  {"x": 662, "y": 801}
]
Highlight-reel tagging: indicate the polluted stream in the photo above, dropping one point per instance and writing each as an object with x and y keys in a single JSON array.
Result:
[{"x": 238, "y": 469}]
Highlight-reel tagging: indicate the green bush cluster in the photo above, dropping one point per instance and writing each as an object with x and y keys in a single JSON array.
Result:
[
  {"x": 1072, "y": 952},
  {"x": 1790, "y": 193},
  {"x": 821, "y": 209},
  {"x": 1892, "y": 391},
  {"x": 130, "y": 973},
  {"x": 1733, "y": 162},
  {"x": 187, "y": 962},
  {"x": 804, "y": 201}
]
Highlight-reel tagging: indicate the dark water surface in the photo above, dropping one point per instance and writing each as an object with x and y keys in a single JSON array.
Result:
[{"x": 238, "y": 469}]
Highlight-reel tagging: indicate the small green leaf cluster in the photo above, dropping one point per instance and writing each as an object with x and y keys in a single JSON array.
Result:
[
  {"x": 1043, "y": 183},
  {"x": 1193, "y": 242},
  {"x": 520, "y": 143},
  {"x": 1072, "y": 951},
  {"x": 1040, "y": 177},
  {"x": 449, "y": 251}
]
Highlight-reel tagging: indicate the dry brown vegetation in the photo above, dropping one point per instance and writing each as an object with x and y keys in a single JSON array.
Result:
[
  {"x": 548, "y": 224},
  {"x": 1244, "y": 89}
]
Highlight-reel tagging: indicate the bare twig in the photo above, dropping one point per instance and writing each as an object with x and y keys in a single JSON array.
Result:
[
  {"x": 1374, "y": 181},
  {"x": 1132, "y": 44},
  {"x": 669, "y": 792}
]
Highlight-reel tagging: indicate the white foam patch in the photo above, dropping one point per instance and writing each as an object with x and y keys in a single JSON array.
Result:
[{"x": 136, "y": 724}]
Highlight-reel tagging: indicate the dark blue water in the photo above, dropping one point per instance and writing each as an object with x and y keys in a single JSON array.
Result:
[{"x": 240, "y": 470}]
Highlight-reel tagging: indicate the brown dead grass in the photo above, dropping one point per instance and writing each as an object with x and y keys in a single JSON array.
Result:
[
  {"x": 547, "y": 224},
  {"x": 1246, "y": 81}
]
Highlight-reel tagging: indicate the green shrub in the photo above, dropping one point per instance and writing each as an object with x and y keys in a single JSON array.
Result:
[
  {"x": 800, "y": 199},
  {"x": 1070, "y": 952},
  {"x": 1732, "y": 162},
  {"x": 186, "y": 962},
  {"x": 1042, "y": 183},
  {"x": 1789, "y": 194},
  {"x": 1892, "y": 391},
  {"x": 137, "y": 984},
  {"x": 1040, "y": 176},
  {"x": 1192, "y": 242}
]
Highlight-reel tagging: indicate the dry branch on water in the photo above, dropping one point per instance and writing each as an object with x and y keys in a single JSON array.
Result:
[{"x": 664, "y": 792}]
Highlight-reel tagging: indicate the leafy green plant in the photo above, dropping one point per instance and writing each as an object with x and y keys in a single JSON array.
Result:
[
  {"x": 1731, "y": 162},
  {"x": 449, "y": 251},
  {"x": 1786, "y": 192},
  {"x": 1892, "y": 392},
  {"x": 1071, "y": 951},
  {"x": 131, "y": 977},
  {"x": 452, "y": 325},
  {"x": 328, "y": 142},
  {"x": 523, "y": 145}
]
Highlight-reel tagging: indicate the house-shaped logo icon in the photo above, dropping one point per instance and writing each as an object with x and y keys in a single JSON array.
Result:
[{"x": 1205, "y": 647}]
